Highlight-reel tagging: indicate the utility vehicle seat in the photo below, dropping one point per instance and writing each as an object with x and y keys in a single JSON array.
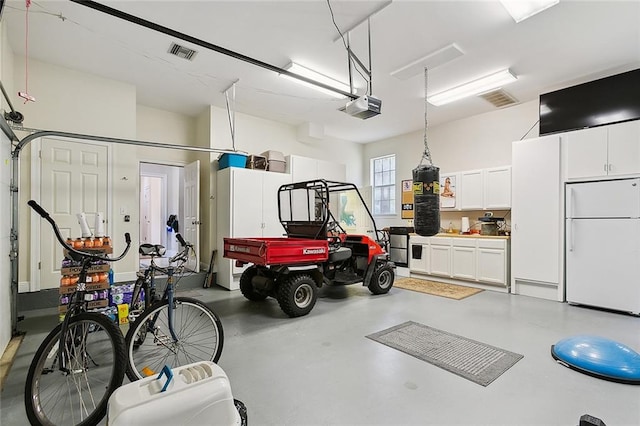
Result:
[
  {"x": 152, "y": 250},
  {"x": 340, "y": 254}
]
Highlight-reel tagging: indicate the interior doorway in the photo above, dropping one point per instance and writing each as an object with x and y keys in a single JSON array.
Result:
[{"x": 161, "y": 199}]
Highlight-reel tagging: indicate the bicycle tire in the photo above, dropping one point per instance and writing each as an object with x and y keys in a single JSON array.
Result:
[
  {"x": 53, "y": 397},
  {"x": 192, "y": 320}
]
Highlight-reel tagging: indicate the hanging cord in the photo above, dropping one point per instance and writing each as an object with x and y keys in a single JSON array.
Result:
[
  {"x": 26, "y": 48},
  {"x": 344, "y": 42},
  {"x": 232, "y": 118},
  {"x": 426, "y": 155}
]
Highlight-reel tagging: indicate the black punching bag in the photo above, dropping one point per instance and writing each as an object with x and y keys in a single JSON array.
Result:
[{"x": 426, "y": 200}]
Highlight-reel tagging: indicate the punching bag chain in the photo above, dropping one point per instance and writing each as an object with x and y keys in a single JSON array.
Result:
[
  {"x": 426, "y": 187},
  {"x": 426, "y": 155}
]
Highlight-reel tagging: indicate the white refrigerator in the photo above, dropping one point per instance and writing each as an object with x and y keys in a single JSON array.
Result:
[{"x": 603, "y": 244}]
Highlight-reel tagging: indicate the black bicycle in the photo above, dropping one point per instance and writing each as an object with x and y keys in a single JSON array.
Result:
[
  {"x": 168, "y": 330},
  {"x": 82, "y": 361}
]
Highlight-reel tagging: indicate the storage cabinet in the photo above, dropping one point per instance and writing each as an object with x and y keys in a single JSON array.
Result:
[
  {"x": 247, "y": 207},
  {"x": 419, "y": 254},
  {"x": 305, "y": 168},
  {"x": 604, "y": 151},
  {"x": 471, "y": 190},
  {"x": 492, "y": 262},
  {"x": 536, "y": 218},
  {"x": 440, "y": 257},
  {"x": 482, "y": 189},
  {"x": 463, "y": 259},
  {"x": 480, "y": 260},
  {"x": 497, "y": 188}
]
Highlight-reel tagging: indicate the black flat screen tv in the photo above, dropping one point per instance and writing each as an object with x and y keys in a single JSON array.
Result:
[{"x": 596, "y": 103}]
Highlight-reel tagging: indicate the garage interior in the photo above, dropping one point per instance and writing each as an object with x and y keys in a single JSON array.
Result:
[{"x": 163, "y": 95}]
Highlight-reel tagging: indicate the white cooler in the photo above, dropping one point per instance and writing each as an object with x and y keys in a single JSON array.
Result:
[{"x": 197, "y": 394}]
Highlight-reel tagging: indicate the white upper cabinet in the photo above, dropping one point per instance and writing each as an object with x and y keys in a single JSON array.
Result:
[
  {"x": 305, "y": 168},
  {"x": 497, "y": 188},
  {"x": 612, "y": 150},
  {"x": 624, "y": 148},
  {"x": 471, "y": 190},
  {"x": 482, "y": 189}
]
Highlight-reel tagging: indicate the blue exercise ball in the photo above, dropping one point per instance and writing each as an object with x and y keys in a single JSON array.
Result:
[{"x": 599, "y": 357}]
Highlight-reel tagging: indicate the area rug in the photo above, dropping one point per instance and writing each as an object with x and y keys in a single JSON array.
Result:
[
  {"x": 451, "y": 291},
  {"x": 475, "y": 361}
]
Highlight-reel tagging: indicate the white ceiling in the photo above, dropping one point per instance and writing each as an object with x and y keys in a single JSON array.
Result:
[{"x": 570, "y": 43}]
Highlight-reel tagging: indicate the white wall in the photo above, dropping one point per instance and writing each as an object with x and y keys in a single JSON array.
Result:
[
  {"x": 5, "y": 242},
  {"x": 256, "y": 135},
  {"x": 6, "y": 73},
  {"x": 472, "y": 143}
]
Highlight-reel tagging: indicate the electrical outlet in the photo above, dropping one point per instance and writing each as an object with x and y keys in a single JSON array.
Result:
[{"x": 127, "y": 218}]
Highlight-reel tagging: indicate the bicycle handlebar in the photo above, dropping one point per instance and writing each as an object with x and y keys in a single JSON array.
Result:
[
  {"x": 45, "y": 215},
  {"x": 183, "y": 243}
]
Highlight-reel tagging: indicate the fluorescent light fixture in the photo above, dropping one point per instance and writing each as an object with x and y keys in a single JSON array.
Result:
[
  {"x": 475, "y": 87},
  {"x": 314, "y": 75},
  {"x": 523, "y": 9}
]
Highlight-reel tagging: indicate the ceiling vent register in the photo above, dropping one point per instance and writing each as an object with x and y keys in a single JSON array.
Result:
[
  {"x": 182, "y": 51},
  {"x": 499, "y": 98}
]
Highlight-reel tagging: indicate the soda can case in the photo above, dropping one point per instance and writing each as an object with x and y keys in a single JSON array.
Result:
[{"x": 193, "y": 394}]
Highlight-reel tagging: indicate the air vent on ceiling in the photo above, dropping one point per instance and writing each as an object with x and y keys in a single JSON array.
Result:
[
  {"x": 182, "y": 51},
  {"x": 499, "y": 98}
]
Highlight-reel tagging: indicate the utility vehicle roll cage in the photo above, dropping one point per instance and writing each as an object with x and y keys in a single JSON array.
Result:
[{"x": 316, "y": 220}]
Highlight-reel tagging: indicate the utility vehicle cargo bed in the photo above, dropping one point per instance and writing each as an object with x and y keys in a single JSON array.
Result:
[{"x": 276, "y": 251}]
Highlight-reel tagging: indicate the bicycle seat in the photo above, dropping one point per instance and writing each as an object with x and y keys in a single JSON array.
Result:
[{"x": 152, "y": 250}]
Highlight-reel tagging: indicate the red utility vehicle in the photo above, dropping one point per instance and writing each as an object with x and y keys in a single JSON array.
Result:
[{"x": 320, "y": 247}]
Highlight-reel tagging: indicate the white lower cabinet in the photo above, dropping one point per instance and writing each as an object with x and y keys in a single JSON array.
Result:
[
  {"x": 466, "y": 259},
  {"x": 492, "y": 262},
  {"x": 463, "y": 259},
  {"x": 440, "y": 258}
]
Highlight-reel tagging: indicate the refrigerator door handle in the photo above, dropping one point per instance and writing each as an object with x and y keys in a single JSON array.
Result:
[
  {"x": 570, "y": 206},
  {"x": 570, "y": 229}
]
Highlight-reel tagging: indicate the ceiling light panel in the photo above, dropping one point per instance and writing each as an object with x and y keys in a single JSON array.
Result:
[
  {"x": 303, "y": 71},
  {"x": 472, "y": 88},
  {"x": 523, "y": 9},
  {"x": 429, "y": 61}
]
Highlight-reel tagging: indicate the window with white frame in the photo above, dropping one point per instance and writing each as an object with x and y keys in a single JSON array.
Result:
[{"x": 383, "y": 182}]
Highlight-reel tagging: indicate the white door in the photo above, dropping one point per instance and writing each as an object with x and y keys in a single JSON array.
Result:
[
  {"x": 192, "y": 209},
  {"x": 73, "y": 180},
  {"x": 613, "y": 198},
  {"x": 602, "y": 263},
  {"x": 536, "y": 211}
]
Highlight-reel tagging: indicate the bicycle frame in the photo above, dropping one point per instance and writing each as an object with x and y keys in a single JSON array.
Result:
[
  {"x": 76, "y": 304},
  {"x": 169, "y": 291}
]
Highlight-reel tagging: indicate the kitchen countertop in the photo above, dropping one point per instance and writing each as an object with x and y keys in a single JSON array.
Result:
[{"x": 444, "y": 234}]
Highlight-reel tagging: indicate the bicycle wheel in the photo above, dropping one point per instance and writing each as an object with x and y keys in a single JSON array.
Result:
[
  {"x": 198, "y": 329},
  {"x": 96, "y": 359}
]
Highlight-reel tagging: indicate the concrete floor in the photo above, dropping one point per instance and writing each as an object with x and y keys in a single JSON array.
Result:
[{"x": 321, "y": 370}]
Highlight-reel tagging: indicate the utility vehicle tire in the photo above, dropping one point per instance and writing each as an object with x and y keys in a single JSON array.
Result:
[
  {"x": 297, "y": 295},
  {"x": 382, "y": 280},
  {"x": 247, "y": 288}
]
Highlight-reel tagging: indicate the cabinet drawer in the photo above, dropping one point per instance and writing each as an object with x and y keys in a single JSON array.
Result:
[
  {"x": 494, "y": 244},
  {"x": 418, "y": 240},
  {"x": 440, "y": 241},
  {"x": 463, "y": 242}
]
